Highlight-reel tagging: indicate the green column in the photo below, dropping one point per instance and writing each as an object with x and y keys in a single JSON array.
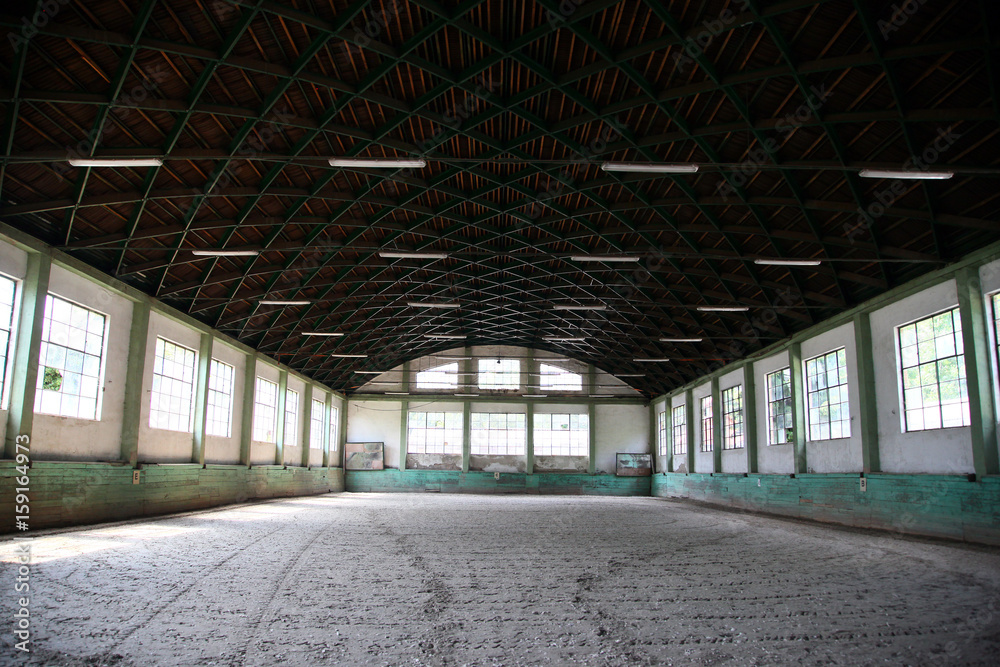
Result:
[
  {"x": 24, "y": 374},
  {"x": 529, "y": 439},
  {"x": 201, "y": 398},
  {"x": 246, "y": 423},
  {"x": 975, "y": 337},
  {"x": 798, "y": 408},
  {"x": 654, "y": 444},
  {"x": 716, "y": 425},
  {"x": 279, "y": 444},
  {"x": 136, "y": 364},
  {"x": 689, "y": 418},
  {"x": 307, "y": 401},
  {"x": 592, "y": 420},
  {"x": 750, "y": 415},
  {"x": 866, "y": 392}
]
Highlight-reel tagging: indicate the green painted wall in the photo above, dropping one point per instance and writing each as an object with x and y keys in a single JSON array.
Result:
[
  {"x": 447, "y": 481},
  {"x": 947, "y": 506},
  {"x": 65, "y": 494}
]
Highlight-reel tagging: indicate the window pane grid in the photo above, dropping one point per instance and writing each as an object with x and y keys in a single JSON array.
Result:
[
  {"x": 661, "y": 430},
  {"x": 439, "y": 377},
  {"x": 707, "y": 427},
  {"x": 70, "y": 360},
  {"x": 562, "y": 434},
  {"x": 219, "y": 420},
  {"x": 499, "y": 433},
  {"x": 553, "y": 377},
  {"x": 291, "y": 416},
  {"x": 826, "y": 396},
  {"x": 7, "y": 292},
  {"x": 265, "y": 412},
  {"x": 334, "y": 428},
  {"x": 932, "y": 360},
  {"x": 733, "y": 436},
  {"x": 316, "y": 425},
  {"x": 779, "y": 407},
  {"x": 680, "y": 430},
  {"x": 499, "y": 374},
  {"x": 173, "y": 387},
  {"x": 434, "y": 433}
]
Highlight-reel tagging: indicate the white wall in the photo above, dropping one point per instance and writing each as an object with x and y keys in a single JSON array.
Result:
[
  {"x": 376, "y": 421},
  {"x": 945, "y": 450},
  {"x": 620, "y": 429},
  {"x": 71, "y": 439},
  {"x": 703, "y": 461},
  {"x": 733, "y": 460},
  {"x": 217, "y": 448},
  {"x": 844, "y": 454},
  {"x": 770, "y": 458}
]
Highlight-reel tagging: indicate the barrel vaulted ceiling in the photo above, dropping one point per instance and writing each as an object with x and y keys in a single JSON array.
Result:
[{"x": 514, "y": 105}]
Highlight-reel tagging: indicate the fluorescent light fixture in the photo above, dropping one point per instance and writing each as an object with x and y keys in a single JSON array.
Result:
[
  {"x": 723, "y": 309},
  {"x": 377, "y": 163},
  {"x": 466, "y": 395},
  {"x": 279, "y": 302},
  {"x": 116, "y": 162},
  {"x": 349, "y": 356},
  {"x": 446, "y": 336},
  {"x": 433, "y": 304},
  {"x": 906, "y": 175},
  {"x": 605, "y": 258},
  {"x": 602, "y": 395},
  {"x": 648, "y": 360},
  {"x": 788, "y": 262},
  {"x": 371, "y": 372},
  {"x": 397, "y": 393},
  {"x": 650, "y": 168},
  {"x": 394, "y": 254},
  {"x": 321, "y": 333},
  {"x": 534, "y": 395},
  {"x": 554, "y": 339},
  {"x": 570, "y": 306},
  {"x": 681, "y": 340},
  {"x": 225, "y": 253},
  {"x": 378, "y": 382}
]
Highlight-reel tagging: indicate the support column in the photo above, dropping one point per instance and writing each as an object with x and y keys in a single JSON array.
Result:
[
  {"x": 866, "y": 393},
  {"x": 246, "y": 423},
  {"x": 798, "y": 409},
  {"x": 716, "y": 425},
  {"x": 307, "y": 401},
  {"x": 529, "y": 439},
  {"x": 592, "y": 420},
  {"x": 689, "y": 418},
  {"x": 24, "y": 373},
  {"x": 135, "y": 366},
  {"x": 975, "y": 338},
  {"x": 279, "y": 441},
  {"x": 202, "y": 379},
  {"x": 654, "y": 417},
  {"x": 750, "y": 415}
]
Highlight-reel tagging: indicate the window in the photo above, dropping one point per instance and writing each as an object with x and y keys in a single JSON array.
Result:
[
  {"x": 779, "y": 407},
  {"x": 498, "y": 433},
  {"x": 932, "y": 358},
  {"x": 562, "y": 435},
  {"x": 219, "y": 420},
  {"x": 732, "y": 418},
  {"x": 7, "y": 293},
  {"x": 439, "y": 377},
  {"x": 334, "y": 428},
  {"x": 707, "y": 427},
  {"x": 499, "y": 374},
  {"x": 316, "y": 422},
  {"x": 291, "y": 416},
  {"x": 680, "y": 430},
  {"x": 661, "y": 432},
  {"x": 996, "y": 321},
  {"x": 826, "y": 388},
  {"x": 434, "y": 433},
  {"x": 553, "y": 377},
  {"x": 265, "y": 411},
  {"x": 173, "y": 387},
  {"x": 70, "y": 360}
]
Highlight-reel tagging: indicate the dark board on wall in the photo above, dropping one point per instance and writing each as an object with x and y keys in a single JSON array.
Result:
[
  {"x": 363, "y": 456},
  {"x": 634, "y": 465}
]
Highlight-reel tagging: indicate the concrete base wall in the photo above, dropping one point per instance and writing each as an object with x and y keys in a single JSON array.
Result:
[
  {"x": 947, "y": 506},
  {"x": 487, "y": 483},
  {"x": 69, "y": 494}
]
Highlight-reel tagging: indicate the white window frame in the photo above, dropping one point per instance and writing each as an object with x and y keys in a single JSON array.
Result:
[
  {"x": 6, "y": 368},
  {"x": 661, "y": 432},
  {"x": 259, "y": 427},
  {"x": 292, "y": 423},
  {"x": 558, "y": 379},
  {"x": 549, "y": 440},
  {"x": 226, "y": 409},
  {"x": 733, "y": 437},
  {"x": 190, "y": 391},
  {"x": 707, "y": 423},
  {"x": 446, "y": 439},
  {"x": 317, "y": 425},
  {"x": 334, "y": 428},
  {"x": 47, "y": 325},
  {"x": 679, "y": 429},
  {"x": 787, "y": 407},
  {"x": 843, "y": 393},
  {"x": 499, "y": 378},
  {"x": 513, "y": 442}
]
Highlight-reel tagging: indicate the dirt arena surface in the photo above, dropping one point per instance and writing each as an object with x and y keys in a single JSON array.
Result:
[{"x": 387, "y": 579}]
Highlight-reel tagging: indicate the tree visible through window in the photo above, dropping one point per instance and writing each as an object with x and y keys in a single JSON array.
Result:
[
  {"x": 932, "y": 359},
  {"x": 779, "y": 407},
  {"x": 70, "y": 360}
]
